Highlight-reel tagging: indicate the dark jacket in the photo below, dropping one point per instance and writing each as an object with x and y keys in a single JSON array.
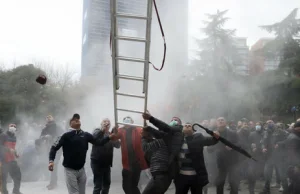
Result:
[
  {"x": 255, "y": 138},
  {"x": 195, "y": 145},
  {"x": 103, "y": 155},
  {"x": 270, "y": 139},
  {"x": 156, "y": 151},
  {"x": 226, "y": 158},
  {"x": 292, "y": 148},
  {"x": 2, "y": 147},
  {"x": 52, "y": 129},
  {"x": 75, "y": 146},
  {"x": 174, "y": 142}
]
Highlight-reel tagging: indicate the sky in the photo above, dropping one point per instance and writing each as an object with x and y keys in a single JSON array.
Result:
[{"x": 50, "y": 30}]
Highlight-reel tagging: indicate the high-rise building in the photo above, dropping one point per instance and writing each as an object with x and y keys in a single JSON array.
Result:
[{"x": 96, "y": 58}]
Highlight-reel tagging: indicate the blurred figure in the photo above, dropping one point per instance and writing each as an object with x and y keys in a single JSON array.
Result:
[
  {"x": 227, "y": 159},
  {"x": 213, "y": 124},
  {"x": 205, "y": 123},
  {"x": 255, "y": 169},
  {"x": 102, "y": 159},
  {"x": 232, "y": 125},
  {"x": 10, "y": 165},
  {"x": 251, "y": 126},
  {"x": 133, "y": 160},
  {"x": 48, "y": 135},
  {"x": 239, "y": 125},
  {"x": 243, "y": 135},
  {"x": 270, "y": 138},
  {"x": 291, "y": 146}
]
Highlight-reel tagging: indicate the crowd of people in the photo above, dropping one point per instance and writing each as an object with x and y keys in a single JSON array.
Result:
[{"x": 173, "y": 152}]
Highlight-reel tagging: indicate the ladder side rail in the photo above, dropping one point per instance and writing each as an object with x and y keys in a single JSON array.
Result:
[
  {"x": 147, "y": 53},
  {"x": 113, "y": 6}
]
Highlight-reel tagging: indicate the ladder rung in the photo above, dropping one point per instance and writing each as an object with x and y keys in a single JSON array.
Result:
[
  {"x": 130, "y": 38},
  {"x": 126, "y": 110},
  {"x": 130, "y": 95},
  {"x": 130, "y": 77},
  {"x": 130, "y": 59},
  {"x": 126, "y": 15},
  {"x": 134, "y": 125}
]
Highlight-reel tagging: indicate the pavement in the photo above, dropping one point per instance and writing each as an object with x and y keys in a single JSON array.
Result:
[{"x": 116, "y": 188}]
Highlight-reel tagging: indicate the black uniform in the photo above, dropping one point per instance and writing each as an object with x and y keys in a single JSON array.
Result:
[{"x": 101, "y": 162}]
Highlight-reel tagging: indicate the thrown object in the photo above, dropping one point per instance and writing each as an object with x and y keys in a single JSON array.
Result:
[{"x": 41, "y": 79}]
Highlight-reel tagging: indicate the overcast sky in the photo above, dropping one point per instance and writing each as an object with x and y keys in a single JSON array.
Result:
[{"x": 51, "y": 29}]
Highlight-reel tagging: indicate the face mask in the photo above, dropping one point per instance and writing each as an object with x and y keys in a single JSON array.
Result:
[
  {"x": 128, "y": 120},
  {"x": 258, "y": 128},
  {"x": 173, "y": 123},
  {"x": 12, "y": 130}
]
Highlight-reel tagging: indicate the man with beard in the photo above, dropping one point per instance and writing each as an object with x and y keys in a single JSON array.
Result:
[
  {"x": 48, "y": 135},
  {"x": 255, "y": 168},
  {"x": 292, "y": 146},
  {"x": 133, "y": 160},
  {"x": 10, "y": 165},
  {"x": 75, "y": 146},
  {"x": 102, "y": 159},
  {"x": 227, "y": 159}
]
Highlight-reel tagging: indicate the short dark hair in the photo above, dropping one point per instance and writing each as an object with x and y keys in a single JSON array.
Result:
[{"x": 76, "y": 116}]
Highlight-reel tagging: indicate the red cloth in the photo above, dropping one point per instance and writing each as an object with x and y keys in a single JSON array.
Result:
[
  {"x": 9, "y": 157},
  {"x": 137, "y": 146}
]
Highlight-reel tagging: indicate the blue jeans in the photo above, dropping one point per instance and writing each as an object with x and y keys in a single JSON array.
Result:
[{"x": 102, "y": 179}]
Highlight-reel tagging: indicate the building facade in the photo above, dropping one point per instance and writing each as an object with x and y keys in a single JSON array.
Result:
[
  {"x": 96, "y": 56},
  {"x": 243, "y": 56},
  {"x": 259, "y": 63}
]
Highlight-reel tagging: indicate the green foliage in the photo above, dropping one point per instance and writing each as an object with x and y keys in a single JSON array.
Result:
[
  {"x": 285, "y": 46},
  {"x": 22, "y": 96},
  {"x": 217, "y": 48}
]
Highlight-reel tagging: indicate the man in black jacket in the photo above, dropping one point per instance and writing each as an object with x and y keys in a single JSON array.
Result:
[
  {"x": 291, "y": 146},
  {"x": 192, "y": 171},
  {"x": 174, "y": 139},
  {"x": 75, "y": 146},
  {"x": 227, "y": 159},
  {"x": 157, "y": 157},
  {"x": 102, "y": 159},
  {"x": 270, "y": 139},
  {"x": 255, "y": 168}
]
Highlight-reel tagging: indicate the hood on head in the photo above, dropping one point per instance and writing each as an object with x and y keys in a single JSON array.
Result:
[{"x": 177, "y": 119}]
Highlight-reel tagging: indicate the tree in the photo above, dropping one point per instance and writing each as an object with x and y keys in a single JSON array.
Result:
[
  {"x": 217, "y": 49},
  {"x": 62, "y": 77},
  {"x": 285, "y": 46},
  {"x": 22, "y": 97}
]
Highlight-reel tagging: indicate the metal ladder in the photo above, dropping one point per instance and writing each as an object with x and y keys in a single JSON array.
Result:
[{"x": 116, "y": 58}]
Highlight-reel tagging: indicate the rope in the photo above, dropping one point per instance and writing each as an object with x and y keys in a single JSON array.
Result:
[{"x": 162, "y": 34}]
